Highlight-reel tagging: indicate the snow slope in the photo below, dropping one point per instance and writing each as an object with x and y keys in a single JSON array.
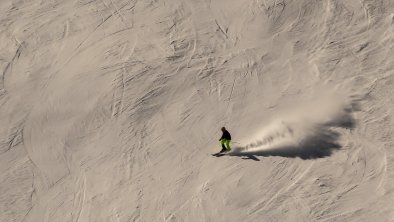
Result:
[{"x": 110, "y": 109}]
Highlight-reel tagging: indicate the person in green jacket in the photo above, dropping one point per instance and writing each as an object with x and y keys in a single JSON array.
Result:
[{"x": 225, "y": 140}]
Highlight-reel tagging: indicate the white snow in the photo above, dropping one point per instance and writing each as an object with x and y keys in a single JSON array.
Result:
[{"x": 110, "y": 110}]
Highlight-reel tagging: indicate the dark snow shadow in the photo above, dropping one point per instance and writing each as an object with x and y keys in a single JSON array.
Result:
[
  {"x": 320, "y": 146},
  {"x": 321, "y": 141}
]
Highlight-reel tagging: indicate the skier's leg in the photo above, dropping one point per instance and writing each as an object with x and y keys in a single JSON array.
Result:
[
  {"x": 228, "y": 144},
  {"x": 223, "y": 141}
]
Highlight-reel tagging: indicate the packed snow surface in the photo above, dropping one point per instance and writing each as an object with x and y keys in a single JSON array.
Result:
[{"x": 110, "y": 110}]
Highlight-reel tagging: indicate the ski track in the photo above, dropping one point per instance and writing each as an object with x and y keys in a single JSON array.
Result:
[{"x": 110, "y": 109}]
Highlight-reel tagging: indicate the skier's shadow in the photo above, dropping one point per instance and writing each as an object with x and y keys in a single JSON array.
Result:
[
  {"x": 319, "y": 146},
  {"x": 322, "y": 144}
]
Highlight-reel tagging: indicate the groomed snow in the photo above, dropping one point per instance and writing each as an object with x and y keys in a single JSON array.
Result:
[{"x": 110, "y": 110}]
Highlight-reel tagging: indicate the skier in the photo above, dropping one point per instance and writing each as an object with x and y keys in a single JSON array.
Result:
[{"x": 225, "y": 140}]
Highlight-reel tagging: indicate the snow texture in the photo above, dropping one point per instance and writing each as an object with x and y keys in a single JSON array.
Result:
[{"x": 110, "y": 110}]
